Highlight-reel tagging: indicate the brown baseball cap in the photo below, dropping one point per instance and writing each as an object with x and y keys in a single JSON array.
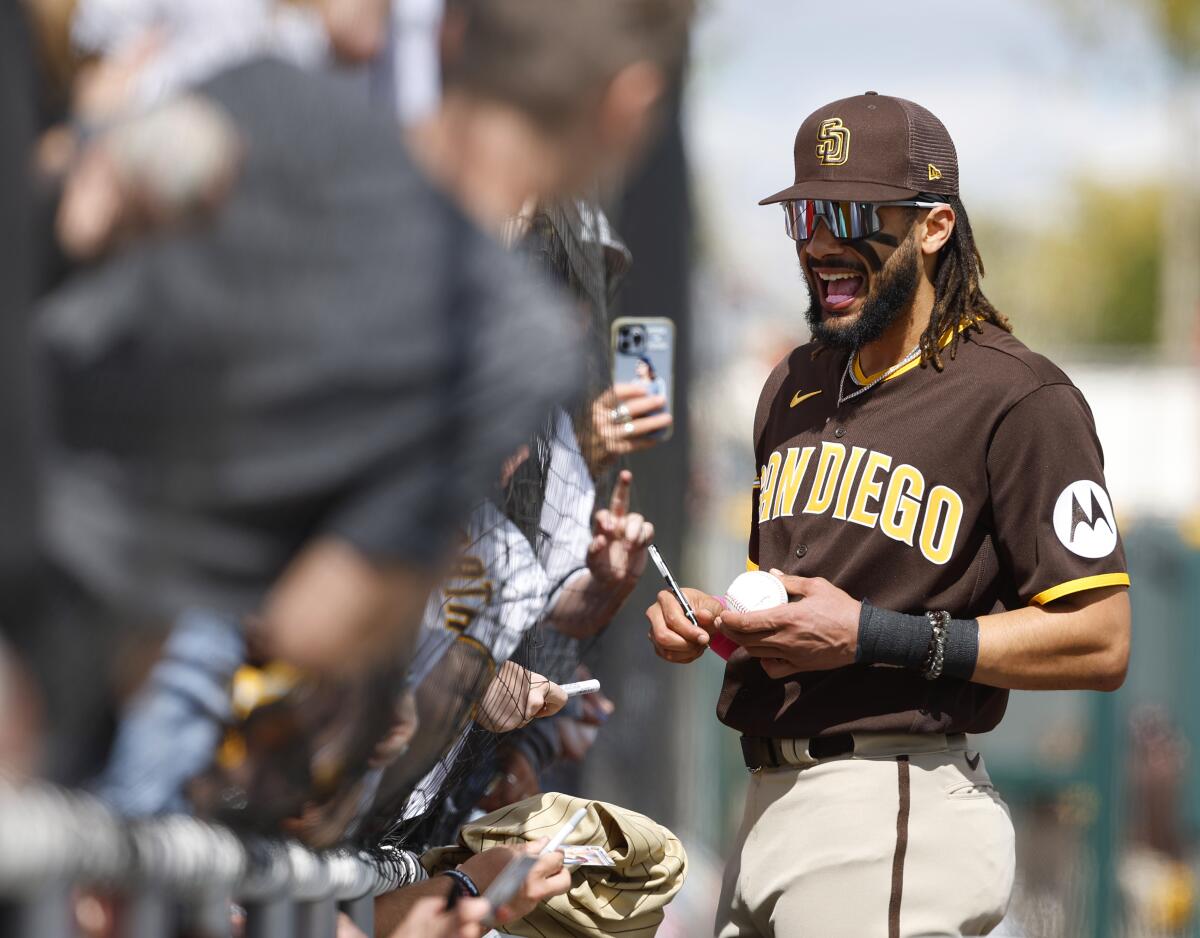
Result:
[{"x": 871, "y": 148}]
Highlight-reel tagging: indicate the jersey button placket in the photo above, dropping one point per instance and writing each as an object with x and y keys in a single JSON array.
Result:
[
  {"x": 801, "y": 550},
  {"x": 839, "y": 432}
]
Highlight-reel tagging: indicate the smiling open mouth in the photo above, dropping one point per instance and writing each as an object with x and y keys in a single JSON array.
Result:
[{"x": 839, "y": 288}]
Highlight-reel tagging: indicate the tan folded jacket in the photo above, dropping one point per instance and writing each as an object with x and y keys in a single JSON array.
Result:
[{"x": 626, "y": 900}]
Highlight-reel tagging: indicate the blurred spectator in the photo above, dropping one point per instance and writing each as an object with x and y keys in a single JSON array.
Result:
[
  {"x": 194, "y": 40},
  {"x": 334, "y": 303},
  {"x": 545, "y": 97},
  {"x": 305, "y": 370}
]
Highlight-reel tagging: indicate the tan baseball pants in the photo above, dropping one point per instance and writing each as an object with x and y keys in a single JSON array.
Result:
[{"x": 889, "y": 842}]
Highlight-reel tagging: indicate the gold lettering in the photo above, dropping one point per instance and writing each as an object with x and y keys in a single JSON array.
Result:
[
  {"x": 790, "y": 478},
  {"x": 869, "y": 489},
  {"x": 902, "y": 504},
  {"x": 829, "y": 467},
  {"x": 480, "y": 589},
  {"x": 937, "y": 547},
  {"x": 459, "y": 617},
  {"x": 766, "y": 491},
  {"x": 467, "y": 568},
  {"x": 843, "y": 499}
]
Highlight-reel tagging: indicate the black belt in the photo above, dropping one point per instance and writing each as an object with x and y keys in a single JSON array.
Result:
[{"x": 763, "y": 752}]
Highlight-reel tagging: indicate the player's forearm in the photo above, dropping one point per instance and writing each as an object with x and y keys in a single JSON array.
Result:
[{"x": 1075, "y": 643}]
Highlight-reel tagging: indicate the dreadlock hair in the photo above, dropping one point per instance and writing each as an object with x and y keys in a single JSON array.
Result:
[{"x": 957, "y": 296}]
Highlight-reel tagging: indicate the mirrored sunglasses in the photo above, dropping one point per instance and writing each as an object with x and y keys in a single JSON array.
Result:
[{"x": 844, "y": 219}]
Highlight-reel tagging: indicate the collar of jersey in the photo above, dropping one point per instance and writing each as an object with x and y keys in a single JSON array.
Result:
[{"x": 862, "y": 379}]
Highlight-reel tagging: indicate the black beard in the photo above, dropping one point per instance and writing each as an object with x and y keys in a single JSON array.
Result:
[{"x": 890, "y": 295}]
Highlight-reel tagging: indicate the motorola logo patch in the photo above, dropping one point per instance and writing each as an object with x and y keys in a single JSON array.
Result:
[{"x": 1083, "y": 520}]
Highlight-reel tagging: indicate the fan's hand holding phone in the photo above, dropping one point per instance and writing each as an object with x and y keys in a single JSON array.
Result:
[{"x": 643, "y": 354}]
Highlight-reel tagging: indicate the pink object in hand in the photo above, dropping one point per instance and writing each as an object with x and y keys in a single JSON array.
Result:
[
  {"x": 722, "y": 645},
  {"x": 719, "y": 643}
]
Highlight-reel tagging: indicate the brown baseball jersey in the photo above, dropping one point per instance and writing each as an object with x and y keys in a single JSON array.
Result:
[{"x": 975, "y": 490}]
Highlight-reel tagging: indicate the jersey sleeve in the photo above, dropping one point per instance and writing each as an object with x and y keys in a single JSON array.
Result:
[
  {"x": 752, "y": 547},
  {"x": 1054, "y": 524}
]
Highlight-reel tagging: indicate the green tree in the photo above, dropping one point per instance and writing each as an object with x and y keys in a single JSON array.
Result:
[{"x": 1093, "y": 280}]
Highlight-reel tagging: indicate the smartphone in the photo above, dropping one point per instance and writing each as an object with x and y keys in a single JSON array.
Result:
[{"x": 643, "y": 352}]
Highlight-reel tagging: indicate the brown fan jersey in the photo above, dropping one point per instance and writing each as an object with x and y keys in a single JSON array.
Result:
[{"x": 975, "y": 490}]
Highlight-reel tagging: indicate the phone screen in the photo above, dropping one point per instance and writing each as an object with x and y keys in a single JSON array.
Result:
[{"x": 644, "y": 354}]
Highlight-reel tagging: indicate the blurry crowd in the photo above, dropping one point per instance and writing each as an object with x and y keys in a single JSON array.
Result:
[{"x": 312, "y": 496}]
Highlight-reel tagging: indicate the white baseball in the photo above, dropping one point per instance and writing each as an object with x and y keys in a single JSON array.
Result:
[{"x": 754, "y": 590}]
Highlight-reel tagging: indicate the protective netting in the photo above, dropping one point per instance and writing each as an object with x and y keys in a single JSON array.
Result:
[
  {"x": 397, "y": 761},
  {"x": 490, "y": 632}
]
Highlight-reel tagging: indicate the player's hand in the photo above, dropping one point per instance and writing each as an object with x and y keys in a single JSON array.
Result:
[
  {"x": 624, "y": 420},
  {"x": 672, "y": 634},
  {"x": 617, "y": 554},
  {"x": 516, "y": 696},
  {"x": 815, "y": 631},
  {"x": 428, "y": 918},
  {"x": 547, "y": 879}
]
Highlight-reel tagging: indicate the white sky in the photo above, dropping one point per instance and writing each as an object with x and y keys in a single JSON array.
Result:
[{"x": 1031, "y": 102}]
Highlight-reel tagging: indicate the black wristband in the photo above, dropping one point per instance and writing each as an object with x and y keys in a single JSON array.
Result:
[
  {"x": 886, "y": 637},
  {"x": 962, "y": 648},
  {"x": 462, "y": 883}
]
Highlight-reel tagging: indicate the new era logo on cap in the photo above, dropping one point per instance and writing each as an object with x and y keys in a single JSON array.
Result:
[{"x": 900, "y": 149}]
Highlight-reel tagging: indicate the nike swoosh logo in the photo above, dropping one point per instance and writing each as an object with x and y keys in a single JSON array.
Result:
[{"x": 798, "y": 397}]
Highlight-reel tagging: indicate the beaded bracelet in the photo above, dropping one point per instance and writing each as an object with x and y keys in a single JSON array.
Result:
[{"x": 936, "y": 660}]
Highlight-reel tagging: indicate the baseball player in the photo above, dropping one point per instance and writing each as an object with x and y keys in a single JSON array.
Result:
[{"x": 931, "y": 493}]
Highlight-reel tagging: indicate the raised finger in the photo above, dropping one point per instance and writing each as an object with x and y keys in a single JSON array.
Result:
[{"x": 618, "y": 505}]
